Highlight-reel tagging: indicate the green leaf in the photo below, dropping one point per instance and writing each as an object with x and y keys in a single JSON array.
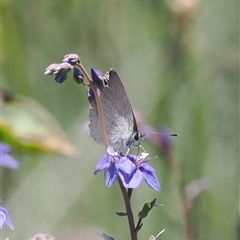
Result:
[
  {"x": 146, "y": 209},
  {"x": 139, "y": 227},
  {"x": 121, "y": 214},
  {"x": 28, "y": 126},
  {"x": 153, "y": 202},
  {"x": 106, "y": 237}
]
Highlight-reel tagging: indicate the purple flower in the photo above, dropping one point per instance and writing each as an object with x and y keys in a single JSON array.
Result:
[
  {"x": 5, "y": 159},
  {"x": 131, "y": 169},
  {"x": 142, "y": 171},
  {"x": 4, "y": 216},
  {"x": 114, "y": 163}
]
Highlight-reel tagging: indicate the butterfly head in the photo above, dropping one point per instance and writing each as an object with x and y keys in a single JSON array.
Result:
[{"x": 135, "y": 139}]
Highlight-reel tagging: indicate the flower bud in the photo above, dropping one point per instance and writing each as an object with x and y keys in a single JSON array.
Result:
[
  {"x": 64, "y": 67},
  {"x": 51, "y": 69},
  {"x": 71, "y": 58},
  {"x": 98, "y": 79},
  {"x": 60, "y": 77},
  {"x": 78, "y": 76}
]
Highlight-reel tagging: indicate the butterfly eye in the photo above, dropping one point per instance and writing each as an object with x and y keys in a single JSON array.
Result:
[{"x": 136, "y": 137}]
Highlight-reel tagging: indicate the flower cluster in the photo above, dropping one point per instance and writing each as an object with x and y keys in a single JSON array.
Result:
[
  {"x": 61, "y": 69},
  {"x": 132, "y": 169}
]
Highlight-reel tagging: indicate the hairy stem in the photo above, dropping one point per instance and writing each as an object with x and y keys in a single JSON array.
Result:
[
  {"x": 126, "y": 195},
  {"x": 128, "y": 211},
  {"x": 99, "y": 106}
]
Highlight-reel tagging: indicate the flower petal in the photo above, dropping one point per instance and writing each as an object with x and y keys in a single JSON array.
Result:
[
  {"x": 7, "y": 218},
  {"x": 126, "y": 165},
  {"x": 9, "y": 222},
  {"x": 4, "y": 148},
  {"x": 126, "y": 168},
  {"x": 150, "y": 177},
  {"x": 103, "y": 163},
  {"x": 110, "y": 175},
  {"x": 135, "y": 180},
  {"x": 2, "y": 219},
  {"x": 9, "y": 162},
  {"x": 110, "y": 150}
]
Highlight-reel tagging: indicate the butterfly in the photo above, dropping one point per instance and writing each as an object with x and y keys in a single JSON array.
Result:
[{"x": 120, "y": 122}]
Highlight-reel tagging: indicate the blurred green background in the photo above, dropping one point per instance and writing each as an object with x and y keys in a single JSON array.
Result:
[{"x": 179, "y": 62}]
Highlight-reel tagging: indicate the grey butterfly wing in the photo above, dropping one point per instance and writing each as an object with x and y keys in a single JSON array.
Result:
[
  {"x": 95, "y": 130},
  {"x": 117, "y": 111}
]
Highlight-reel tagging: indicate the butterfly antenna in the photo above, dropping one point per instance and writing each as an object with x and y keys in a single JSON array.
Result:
[{"x": 166, "y": 134}]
